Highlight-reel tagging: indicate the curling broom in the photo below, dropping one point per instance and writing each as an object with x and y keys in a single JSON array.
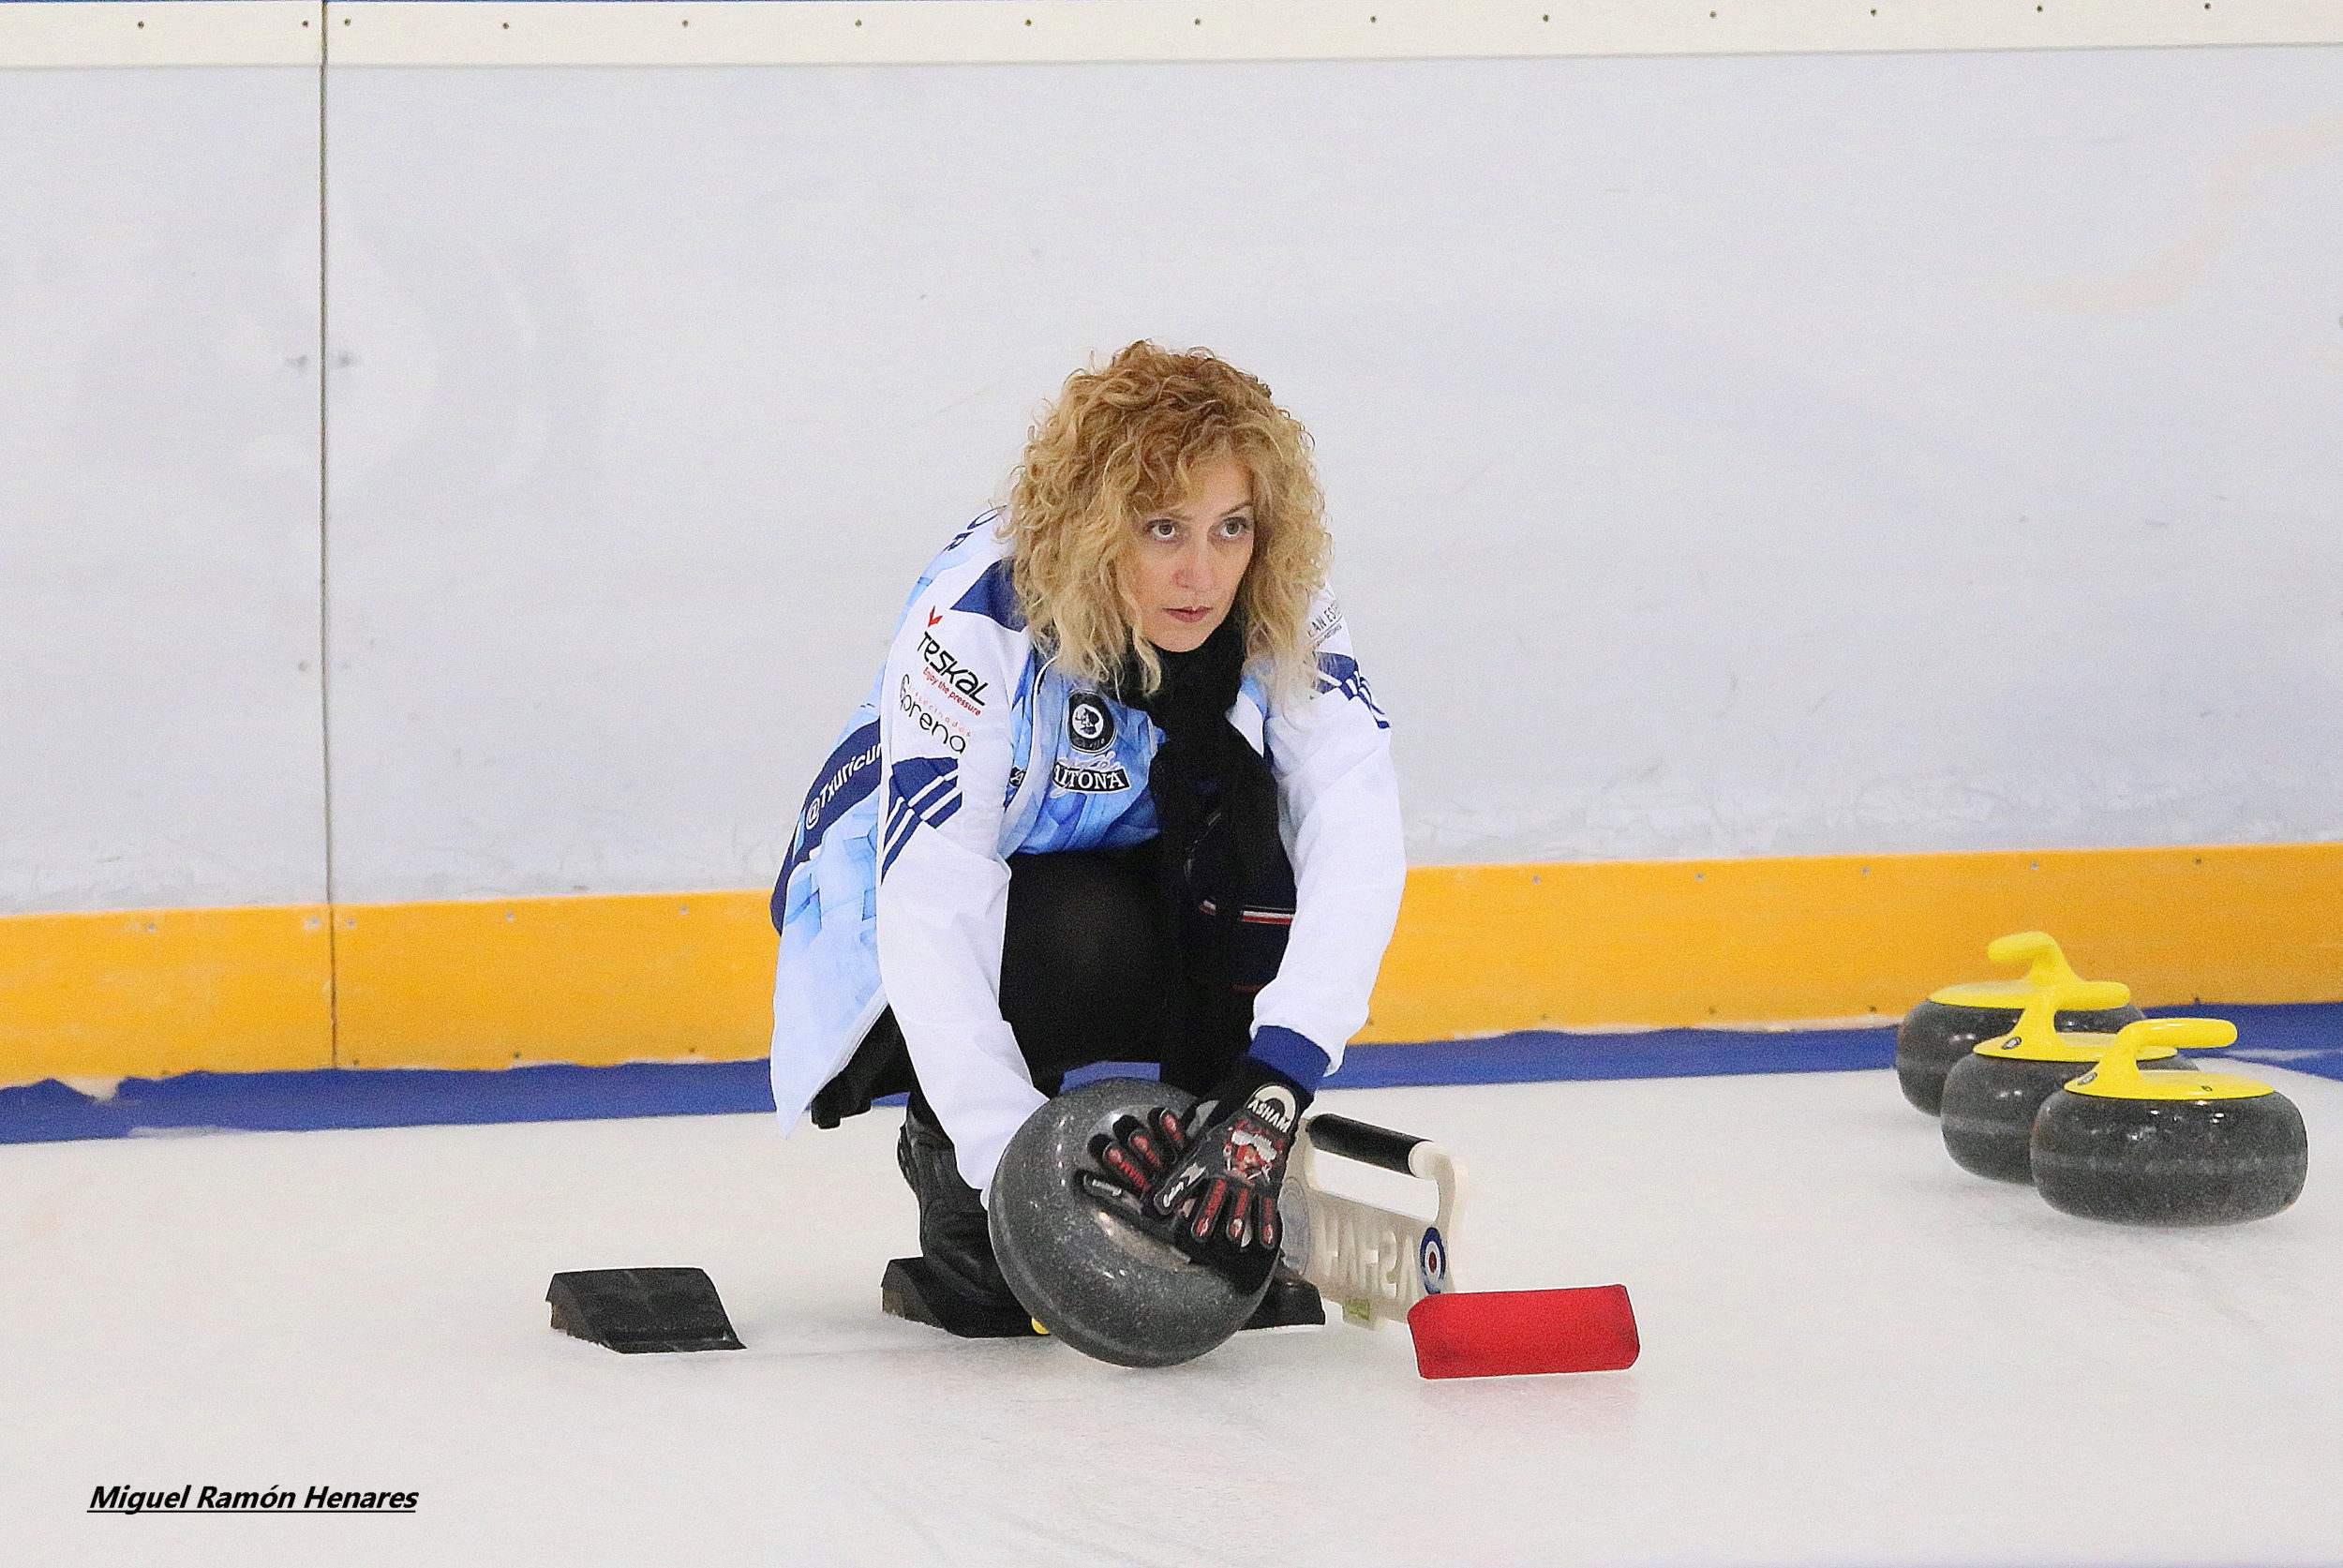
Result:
[{"x": 1379, "y": 1265}]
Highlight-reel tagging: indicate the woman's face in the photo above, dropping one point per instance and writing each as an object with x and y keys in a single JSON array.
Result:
[{"x": 1191, "y": 556}]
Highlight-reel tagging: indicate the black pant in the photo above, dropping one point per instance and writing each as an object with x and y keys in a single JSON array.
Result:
[{"x": 1086, "y": 975}]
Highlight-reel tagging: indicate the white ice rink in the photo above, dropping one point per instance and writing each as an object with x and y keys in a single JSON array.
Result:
[{"x": 1853, "y": 1352}]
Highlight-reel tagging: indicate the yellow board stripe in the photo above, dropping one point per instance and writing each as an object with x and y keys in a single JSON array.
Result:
[
  {"x": 1481, "y": 949},
  {"x": 1809, "y": 937},
  {"x": 143, "y": 993},
  {"x": 592, "y": 979}
]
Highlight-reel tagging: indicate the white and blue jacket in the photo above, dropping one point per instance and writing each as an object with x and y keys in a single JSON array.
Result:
[{"x": 972, "y": 748}]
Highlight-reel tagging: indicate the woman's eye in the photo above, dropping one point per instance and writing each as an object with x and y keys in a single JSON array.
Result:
[
  {"x": 1162, "y": 528},
  {"x": 1235, "y": 527}
]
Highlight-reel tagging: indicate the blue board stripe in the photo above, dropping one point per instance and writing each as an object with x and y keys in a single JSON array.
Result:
[{"x": 2305, "y": 1038}]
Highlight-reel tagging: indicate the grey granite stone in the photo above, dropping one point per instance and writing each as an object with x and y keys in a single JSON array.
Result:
[
  {"x": 2168, "y": 1161},
  {"x": 1098, "y": 1281},
  {"x": 1990, "y": 1103}
]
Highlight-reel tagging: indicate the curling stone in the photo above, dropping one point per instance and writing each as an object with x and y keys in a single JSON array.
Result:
[
  {"x": 1094, "y": 1278},
  {"x": 1991, "y": 1094},
  {"x": 1954, "y": 1022},
  {"x": 2170, "y": 1148}
]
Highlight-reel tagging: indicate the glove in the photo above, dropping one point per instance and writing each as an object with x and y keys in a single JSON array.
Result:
[
  {"x": 1209, "y": 1185},
  {"x": 1136, "y": 1157}
]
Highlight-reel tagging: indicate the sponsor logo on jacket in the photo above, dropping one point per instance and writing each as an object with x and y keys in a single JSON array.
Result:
[
  {"x": 951, "y": 676},
  {"x": 845, "y": 781},
  {"x": 1089, "y": 722},
  {"x": 974, "y": 523},
  {"x": 1090, "y": 778},
  {"x": 935, "y": 726},
  {"x": 818, "y": 805}
]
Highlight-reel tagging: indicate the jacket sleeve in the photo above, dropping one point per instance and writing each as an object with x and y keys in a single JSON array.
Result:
[
  {"x": 943, "y": 889},
  {"x": 1338, "y": 799}
]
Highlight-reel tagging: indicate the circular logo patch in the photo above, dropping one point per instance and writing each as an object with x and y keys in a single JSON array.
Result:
[
  {"x": 1089, "y": 722},
  {"x": 1431, "y": 1256}
]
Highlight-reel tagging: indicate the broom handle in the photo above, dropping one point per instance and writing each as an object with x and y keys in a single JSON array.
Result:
[{"x": 1363, "y": 1142}]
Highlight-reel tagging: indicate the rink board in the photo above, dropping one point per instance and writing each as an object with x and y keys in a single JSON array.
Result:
[{"x": 1590, "y": 946}]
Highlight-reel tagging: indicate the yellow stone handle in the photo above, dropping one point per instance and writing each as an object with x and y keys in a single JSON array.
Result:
[
  {"x": 2037, "y": 1022},
  {"x": 2045, "y": 965},
  {"x": 2119, "y": 1069},
  {"x": 2181, "y": 1034}
]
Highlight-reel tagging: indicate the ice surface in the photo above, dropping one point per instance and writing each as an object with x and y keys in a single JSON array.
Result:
[{"x": 1853, "y": 1352}]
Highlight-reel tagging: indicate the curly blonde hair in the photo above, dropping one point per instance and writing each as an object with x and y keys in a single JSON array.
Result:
[{"x": 1121, "y": 442}]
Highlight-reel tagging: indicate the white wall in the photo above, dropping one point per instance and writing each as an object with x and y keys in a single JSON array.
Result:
[
  {"x": 1728, "y": 455},
  {"x": 160, "y": 726}
]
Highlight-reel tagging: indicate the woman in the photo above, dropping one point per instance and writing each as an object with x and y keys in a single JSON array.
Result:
[{"x": 1120, "y": 794}]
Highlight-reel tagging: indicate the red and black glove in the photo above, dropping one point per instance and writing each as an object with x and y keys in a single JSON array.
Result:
[
  {"x": 1136, "y": 1158},
  {"x": 1208, "y": 1185}
]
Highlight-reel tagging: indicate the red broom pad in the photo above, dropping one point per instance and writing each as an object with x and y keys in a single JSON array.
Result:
[{"x": 1501, "y": 1334}]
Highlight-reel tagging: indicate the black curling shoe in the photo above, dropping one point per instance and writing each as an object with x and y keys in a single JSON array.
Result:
[{"x": 954, "y": 1284}]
